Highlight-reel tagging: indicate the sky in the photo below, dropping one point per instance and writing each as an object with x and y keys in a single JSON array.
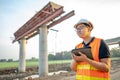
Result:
[{"x": 104, "y": 14}]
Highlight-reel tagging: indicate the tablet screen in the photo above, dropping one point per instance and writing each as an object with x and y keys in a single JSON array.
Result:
[{"x": 86, "y": 51}]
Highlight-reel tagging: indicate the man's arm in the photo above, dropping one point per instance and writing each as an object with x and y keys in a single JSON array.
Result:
[
  {"x": 73, "y": 65},
  {"x": 103, "y": 65}
]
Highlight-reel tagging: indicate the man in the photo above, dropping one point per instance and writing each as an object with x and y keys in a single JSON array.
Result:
[{"x": 86, "y": 68}]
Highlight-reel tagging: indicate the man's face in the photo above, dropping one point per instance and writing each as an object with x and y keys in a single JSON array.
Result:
[{"x": 82, "y": 30}]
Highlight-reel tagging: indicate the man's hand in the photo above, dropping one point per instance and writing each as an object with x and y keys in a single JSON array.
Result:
[{"x": 83, "y": 57}]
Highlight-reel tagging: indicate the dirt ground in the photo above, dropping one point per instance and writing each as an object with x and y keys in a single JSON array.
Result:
[
  {"x": 115, "y": 74},
  {"x": 66, "y": 75},
  {"x": 71, "y": 76}
]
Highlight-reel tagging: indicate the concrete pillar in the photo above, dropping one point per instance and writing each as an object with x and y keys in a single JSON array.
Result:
[
  {"x": 22, "y": 53},
  {"x": 43, "y": 52},
  {"x": 119, "y": 45}
]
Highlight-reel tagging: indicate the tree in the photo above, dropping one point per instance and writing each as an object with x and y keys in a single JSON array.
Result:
[
  {"x": 59, "y": 56},
  {"x": 10, "y": 60},
  {"x": 67, "y": 55},
  {"x": 3, "y": 60},
  {"x": 51, "y": 57},
  {"x": 115, "y": 52}
]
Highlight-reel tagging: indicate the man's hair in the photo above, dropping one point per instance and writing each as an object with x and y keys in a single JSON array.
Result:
[{"x": 86, "y": 24}]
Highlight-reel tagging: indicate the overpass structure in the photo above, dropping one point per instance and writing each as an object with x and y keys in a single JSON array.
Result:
[
  {"x": 113, "y": 41},
  {"x": 47, "y": 17}
]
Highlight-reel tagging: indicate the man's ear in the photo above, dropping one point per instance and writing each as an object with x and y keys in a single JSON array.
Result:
[{"x": 89, "y": 29}]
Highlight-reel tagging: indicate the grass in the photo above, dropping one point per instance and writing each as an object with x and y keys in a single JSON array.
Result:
[
  {"x": 35, "y": 63},
  {"x": 115, "y": 58},
  {"x": 29, "y": 63},
  {"x": 8, "y": 64}
]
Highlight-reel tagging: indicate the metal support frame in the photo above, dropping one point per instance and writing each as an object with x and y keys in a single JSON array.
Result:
[{"x": 38, "y": 24}]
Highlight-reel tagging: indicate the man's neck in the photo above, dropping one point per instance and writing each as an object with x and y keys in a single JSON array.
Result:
[{"x": 87, "y": 39}]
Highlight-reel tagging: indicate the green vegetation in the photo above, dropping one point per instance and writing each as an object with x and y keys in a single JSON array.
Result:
[
  {"x": 35, "y": 63},
  {"x": 115, "y": 58},
  {"x": 65, "y": 55},
  {"x": 8, "y": 64},
  {"x": 29, "y": 63},
  {"x": 115, "y": 52},
  {"x": 59, "y": 58}
]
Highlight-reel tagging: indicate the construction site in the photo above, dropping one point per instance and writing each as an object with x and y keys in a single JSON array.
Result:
[{"x": 49, "y": 16}]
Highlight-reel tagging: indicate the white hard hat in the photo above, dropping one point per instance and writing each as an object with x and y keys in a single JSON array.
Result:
[{"x": 84, "y": 21}]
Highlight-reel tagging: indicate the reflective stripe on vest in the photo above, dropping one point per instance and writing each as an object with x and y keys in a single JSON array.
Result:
[
  {"x": 88, "y": 72},
  {"x": 79, "y": 77}
]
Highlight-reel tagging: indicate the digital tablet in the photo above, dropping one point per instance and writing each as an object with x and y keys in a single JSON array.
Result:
[{"x": 86, "y": 51}]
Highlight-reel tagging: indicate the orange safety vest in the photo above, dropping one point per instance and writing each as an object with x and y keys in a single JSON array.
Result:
[{"x": 87, "y": 72}]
